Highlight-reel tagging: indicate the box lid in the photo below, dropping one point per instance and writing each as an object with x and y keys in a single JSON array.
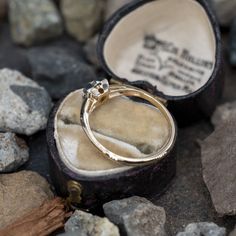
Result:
[{"x": 169, "y": 47}]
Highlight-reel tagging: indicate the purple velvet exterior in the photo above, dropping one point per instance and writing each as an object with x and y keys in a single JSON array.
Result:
[
  {"x": 186, "y": 109},
  {"x": 142, "y": 181}
]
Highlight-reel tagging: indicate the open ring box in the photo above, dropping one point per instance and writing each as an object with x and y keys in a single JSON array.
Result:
[{"x": 170, "y": 48}]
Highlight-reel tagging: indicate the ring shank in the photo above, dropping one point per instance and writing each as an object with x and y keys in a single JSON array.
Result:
[{"x": 124, "y": 90}]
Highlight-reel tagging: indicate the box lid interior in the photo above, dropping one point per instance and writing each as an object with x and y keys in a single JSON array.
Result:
[{"x": 169, "y": 44}]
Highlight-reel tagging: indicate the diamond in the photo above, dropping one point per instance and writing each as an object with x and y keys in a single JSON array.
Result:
[{"x": 97, "y": 89}]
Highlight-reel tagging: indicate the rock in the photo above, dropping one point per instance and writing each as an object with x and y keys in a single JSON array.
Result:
[
  {"x": 3, "y": 8},
  {"x": 136, "y": 216},
  {"x": 19, "y": 193},
  {"x": 114, "y": 5},
  {"x": 34, "y": 21},
  {"x": 203, "y": 229},
  {"x": 12, "y": 56},
  {"x": 91, "y": 51},
  {"x": 85, "y": 224},
  {"x": 225, "y": 10},
  {"x": 70, "y": 45},
  {"x": 232, "y": 43},
  {"x": 223, "y": 113},
  {"x": 82, "y": 17},
  {"x": 24, "y": 106},
  {"x": 13, "y": 152},
  {"x": 59, "y": 71},
  {"x": 218, "y": 166}
]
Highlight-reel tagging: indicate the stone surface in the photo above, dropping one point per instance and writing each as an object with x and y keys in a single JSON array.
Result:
[
  {"x": 219, "y": 164},
  {"x": 59, "y": 71},
  {"x": 13, "y": 152},
  {"x": 91, "y": 51},
  {"x": 203, "y": 229},
  {"x": 12, "y": 56},
  {"x": 136, "y": 216},
  {"x": 114, "y": 5},
  {"x": 24, "y": 106},
  {"x": 82, "y": 17},
  {"x": 225, "y": 10},
  {"x": 85, "y": 224},
  {"x": 223, "y": 113},
  {"x": 19, "y": 193},
  {"x": 34, "y": 21}
]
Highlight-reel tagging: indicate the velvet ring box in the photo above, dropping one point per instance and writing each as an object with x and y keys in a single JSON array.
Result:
[{"x": 170, "y": 48}]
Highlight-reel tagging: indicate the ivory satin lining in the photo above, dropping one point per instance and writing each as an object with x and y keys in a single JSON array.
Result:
[
  {"x": 125, "y": 127},
  {"x": 168, "y": 43}
]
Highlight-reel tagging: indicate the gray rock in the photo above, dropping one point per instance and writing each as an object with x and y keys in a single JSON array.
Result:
[
  {"x": 136, "y": 216},
  {"x": 91, "y": 51},
  {"x": 59, "y": 71},
  {"x": 225, "y": 10},
  {"x": 20, "y": 193},
  {"x": 82, "y": 17},
  {"x": 24, "y": 106},
  {"x": 34, "y": 21},
  {"x": 12, "y": 56},
  {"x": 218, "y": 166},
  {"x": 13, "y": 152},
  {"x": 85, "y": 224},
  {"x": 223, "y": 113},
  {"x": 203, "y": 229},
  {"x": 114, "y": 5}
]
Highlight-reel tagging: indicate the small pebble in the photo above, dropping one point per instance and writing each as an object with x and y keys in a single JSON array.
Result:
[
  {"x": 34, "y": 21},
  {"x": 82, "y": 17},
  {"x": 13, "y": 152},
  {"x": 203, "y": 229},
  {"x": 224, "y": 113},
  {"x": 136, "y": 216},
  {"x": 84, "y": 224}
]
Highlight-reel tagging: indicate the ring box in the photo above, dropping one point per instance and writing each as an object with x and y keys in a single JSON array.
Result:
[{"x": 170, "y": 48}]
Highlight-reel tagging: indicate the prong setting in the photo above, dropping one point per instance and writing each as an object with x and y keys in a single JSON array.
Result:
[{"x": 97, "y": 90}]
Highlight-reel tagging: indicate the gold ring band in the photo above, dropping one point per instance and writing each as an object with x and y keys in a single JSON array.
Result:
[{"x": 99, "y": 92}]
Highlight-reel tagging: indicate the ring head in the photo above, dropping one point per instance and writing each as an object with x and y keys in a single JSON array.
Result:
[{"x": 97, "y": 90}]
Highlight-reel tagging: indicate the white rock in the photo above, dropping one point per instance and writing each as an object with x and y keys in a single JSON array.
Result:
[
  {"x": 85, "y": 224},
  {"x": 224, "y": 112},
  {"x": 34, "y": 21},
  {"x": 24, "y": 105},
  {"x": 203, "y": 229},
  {"x": 82, "y": 17}
]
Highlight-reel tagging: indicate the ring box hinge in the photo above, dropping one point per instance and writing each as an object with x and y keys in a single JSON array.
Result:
[
  {"x": 75, "y": 191},
  {"x": 162, "y": 100}
]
